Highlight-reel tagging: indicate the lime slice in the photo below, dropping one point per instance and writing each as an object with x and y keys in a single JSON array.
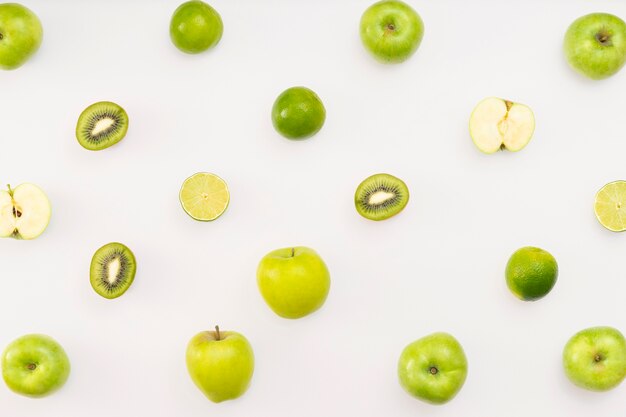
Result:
[
  {"x": 610, "y": 206},
  {"x": 204, "y": 196}
]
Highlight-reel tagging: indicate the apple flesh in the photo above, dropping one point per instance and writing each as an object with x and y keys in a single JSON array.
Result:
[
  {"x": 221, "y": 364},
  {"x": 498, "y": 124},
  {"x": 595, "y": 358},
  {"x": 595, "y": 45},
  {"x": 24, "y": 212},
  {"x": 20, "y": 35},
  {"x": 433, "y": 368},
  {"x": 35, "y": 365},
  {"x": 294, "y": 282}
]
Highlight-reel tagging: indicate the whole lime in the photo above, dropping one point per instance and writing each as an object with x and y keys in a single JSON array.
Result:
[
  {"x": 195, "y": 27},
  {"x": 298, "y": 113},
  {"x": 531, "y": 273}
]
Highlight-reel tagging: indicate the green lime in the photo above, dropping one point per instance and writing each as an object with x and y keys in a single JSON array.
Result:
[
  {"x": 531, "y": 273},
  {"x": 298, "y": 113},
  {"x": 610, "y": 206},
  {"x": 204, "y": 196},
  {"x": 195, "y": 27}
]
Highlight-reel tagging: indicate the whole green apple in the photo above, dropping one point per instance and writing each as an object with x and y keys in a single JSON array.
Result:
[
  {"x": 595, "y": 45},
  {"x": 221, "y": 364},
  {"x": 35, "y": 365},
  {"x": 195, "y": 27},
  {"x": 20, "y": 35},
  {"x": 433, "y": 368},
  {"x": 293, "y": 281},
  {"x": 391, "y": 30},
  {"x": 595, "y": 358}
]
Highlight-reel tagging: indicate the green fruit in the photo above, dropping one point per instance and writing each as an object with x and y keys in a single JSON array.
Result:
[
  {"x": 531, "y": 273},
  {"x": 20, "y": 35},
  {"x": 595, "y": 358},
  {"x": 112, "y": 270},
  {"x": 381, "y": 196},
  {"x": 433, "y": 368},
  {"x": 221, "y": 364},
  {"x": 391, "y": 31},
  {"x": 298, "y": 113},
  {"x": 35, "y": 365},
  {"x": 293, "y": 281},
  {"x": 610, "y": 206},
  {"x": 195, "y": 27},
  {"x": 595, "y": 45},
  {"x": 24, "y": 212},
  {"x": 101, "y": 125}
]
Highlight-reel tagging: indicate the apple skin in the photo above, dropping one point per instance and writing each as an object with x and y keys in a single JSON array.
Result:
[
  {"x": 20, "y": 35},
  {"x": 391, "y": 31},
  {"x": 195, "y": 27},
  {"x": 587, "y": 54},
  {"x": 221, "y": 364},
  {"x": 49, "y": 362},
  {"x": 433, "y": 368},
  {"x": 293, "y": 281},
  {"x": 595, "y": 358}
]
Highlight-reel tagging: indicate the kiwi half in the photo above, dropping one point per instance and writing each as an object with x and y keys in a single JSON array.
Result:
[
  {"x": 101, "y": 125},
  {"x": 112, "y": 271},
  {"x": 381, "y": 196}
]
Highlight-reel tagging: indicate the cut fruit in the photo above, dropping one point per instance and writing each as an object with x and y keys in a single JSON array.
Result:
[
  {"x": 24, "y": 212},
  {"x": 610, "y": 206},
  {"x": 381, "y": 196},
  {"x": 204, "y": 196},
  {"x": 112, "y": 270},
  {"x": 101, "y": 125},
  {"x": 497, "y": 124}
]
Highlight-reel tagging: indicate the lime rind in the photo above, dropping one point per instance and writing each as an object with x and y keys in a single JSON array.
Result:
[{"x": 610, "y": 206}]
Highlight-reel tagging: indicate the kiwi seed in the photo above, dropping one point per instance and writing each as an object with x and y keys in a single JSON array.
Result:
[
  {"x": 112, "y": 271},
  {"x": 381, "y": 196},
  {"x": 101, "y": 125}
]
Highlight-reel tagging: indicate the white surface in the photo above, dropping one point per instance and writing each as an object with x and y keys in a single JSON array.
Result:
[{"x": 437, "y": 266}]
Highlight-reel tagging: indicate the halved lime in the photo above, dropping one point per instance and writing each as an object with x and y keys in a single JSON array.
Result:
[
  {"x": 610, "y": 206},
  {"x": 204, "y": 196}
]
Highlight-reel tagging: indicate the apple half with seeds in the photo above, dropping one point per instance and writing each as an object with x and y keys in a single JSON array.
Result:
[
  {"x": 24, "y": 212},
  {"x": 498, "y": 124}
]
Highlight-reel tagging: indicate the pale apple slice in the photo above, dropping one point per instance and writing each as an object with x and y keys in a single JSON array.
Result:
[
  {"x": 497, "y": 124},
  {"x": 24, "y": 212}
]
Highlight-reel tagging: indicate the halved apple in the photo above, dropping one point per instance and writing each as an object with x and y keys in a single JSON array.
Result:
[
  {"x": 24, "y": 212},
  {"x": 498, "y": 124}
]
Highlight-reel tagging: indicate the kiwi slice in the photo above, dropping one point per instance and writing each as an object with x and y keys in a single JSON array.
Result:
[
  {"x": 101, "y": 125},
  {"x": 381, "y": 196},
  {"x": 112, "y": 271}
]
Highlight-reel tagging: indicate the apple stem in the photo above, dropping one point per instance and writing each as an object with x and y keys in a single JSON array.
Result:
[
  {"x": 293, "y": 252},
  {"x": 217, "y": 333},
  {"x": 434, "y": 370}
]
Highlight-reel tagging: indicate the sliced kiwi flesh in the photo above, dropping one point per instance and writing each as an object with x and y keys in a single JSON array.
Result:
[
  {"x": 101, "y": 125},
  {"x": 381, "y": 196},
  {"x": 112, "y": 271}
]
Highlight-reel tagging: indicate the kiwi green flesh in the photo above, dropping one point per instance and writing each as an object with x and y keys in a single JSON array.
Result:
[
  {"x": 101, "y": 125},
  {"x": 112, "y": 271},
  {"x": 381, "y": 196}
]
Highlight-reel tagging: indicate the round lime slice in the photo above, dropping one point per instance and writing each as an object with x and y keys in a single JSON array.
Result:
[
  {"x": 610, "y": 206},
  {"x": 204, "y": 196}
]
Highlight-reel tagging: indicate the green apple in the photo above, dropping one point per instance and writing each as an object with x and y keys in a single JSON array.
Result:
[
  {"x": 433, "y": 368},
  {"x": 293, "y": 281},
  {"x": 391, "y": 31},
  {"x": 595, "y": 358},
  {"x": 498, "y": 124},
  {"x": 221, "y": 364},
  {"x": 35, "y": 365},
  {"x": 595, "y": 45},
  {"x": 20, "y": 35},
  {"x": 24, "y": 212},
  {"x": 195, "y": 27}
]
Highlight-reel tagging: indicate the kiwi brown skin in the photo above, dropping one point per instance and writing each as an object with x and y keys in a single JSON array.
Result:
[
  {"x": 392, "y": 193},
  {"x": 101, "y": 125},
  {"x": 112, "y": 255}
]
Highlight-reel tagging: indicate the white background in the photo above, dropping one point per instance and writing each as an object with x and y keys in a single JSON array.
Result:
[{"x": 438, "y": 266}]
